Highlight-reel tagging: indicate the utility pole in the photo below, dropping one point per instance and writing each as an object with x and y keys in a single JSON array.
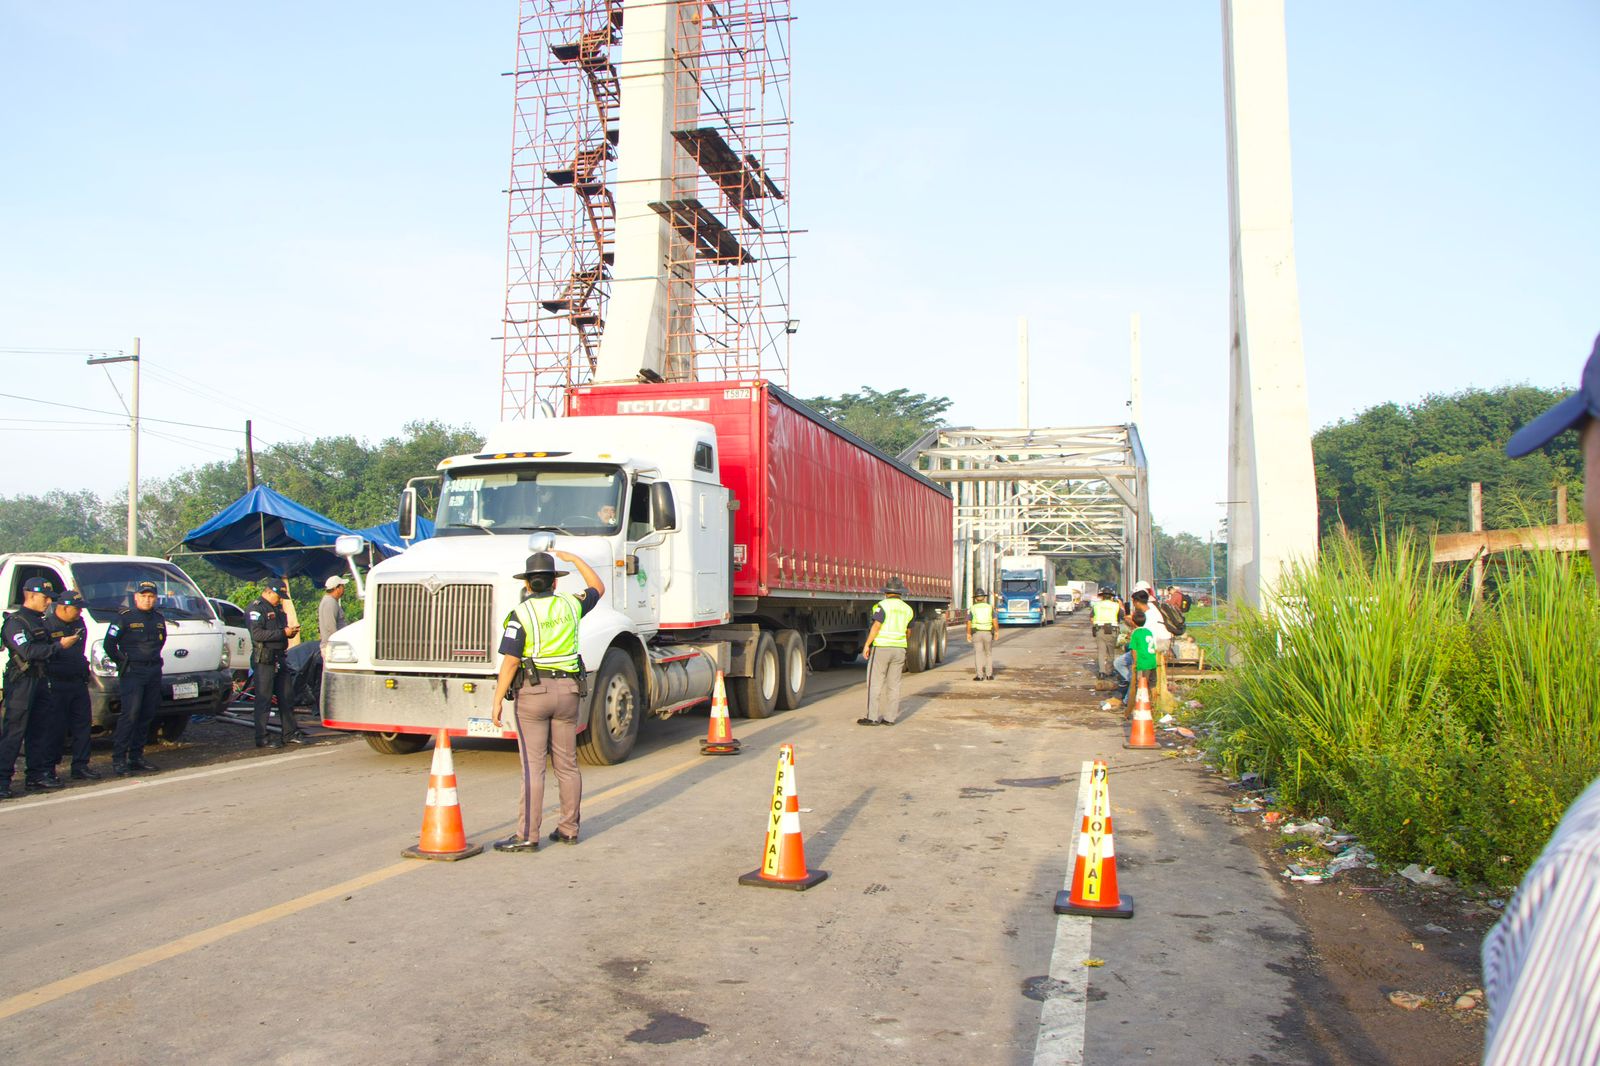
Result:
[
  {"x": 249, "y": 459},
  {"x": 133, "y": 446},
  {"x": 1136, "y": 384},
  {"x": 1022, "y": 373}
]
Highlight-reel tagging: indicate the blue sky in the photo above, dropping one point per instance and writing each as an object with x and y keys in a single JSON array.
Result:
[{"x": 299, "y": 209}]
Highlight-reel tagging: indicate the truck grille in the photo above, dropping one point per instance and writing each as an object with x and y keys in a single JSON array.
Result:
[
  {"x": 444, "y": 624},
  {"x": 1018, "y": 606}
]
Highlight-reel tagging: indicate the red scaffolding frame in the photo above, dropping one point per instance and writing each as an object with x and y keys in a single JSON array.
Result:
[{"x": 729, "y": 206}]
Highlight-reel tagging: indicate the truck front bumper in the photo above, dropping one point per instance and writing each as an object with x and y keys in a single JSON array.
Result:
[{"x": 404, "y": 703}]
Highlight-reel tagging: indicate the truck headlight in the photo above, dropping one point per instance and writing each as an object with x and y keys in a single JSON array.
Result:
[
  {"x": 341, "y": 652},
  {"x": 102, "y": 666}
]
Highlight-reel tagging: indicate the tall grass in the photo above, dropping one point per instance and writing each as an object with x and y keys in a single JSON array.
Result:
[{"x": 1443, "y": 732}]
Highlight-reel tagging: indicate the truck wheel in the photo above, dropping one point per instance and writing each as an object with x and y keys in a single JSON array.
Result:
[
  {"x": 792, "y": 658},
  {"x": 169, "y": 728},
  {"x": 944, "y": 641},
  {"x": 916, "y": 647},
  {"x": 397, "y": 743},
  {"x": 613, "y": 712},
  {"x": 756, "y": 696}
]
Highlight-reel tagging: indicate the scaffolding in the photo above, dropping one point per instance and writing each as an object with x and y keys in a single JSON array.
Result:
[
  {"x": 1073, "y": 493},
  {"x": 702, "y": 217}
]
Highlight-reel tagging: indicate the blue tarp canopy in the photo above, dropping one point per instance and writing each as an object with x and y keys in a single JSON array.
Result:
[
  {"x": 386, "y": 538},
  {"x": 266, "y": 534}
]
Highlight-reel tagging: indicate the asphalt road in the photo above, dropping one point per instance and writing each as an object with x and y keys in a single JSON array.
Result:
[{"x": 259, "y": 910}]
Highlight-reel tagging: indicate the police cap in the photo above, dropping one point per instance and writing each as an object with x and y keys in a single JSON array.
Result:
[
  {"x": 70, "y": 598},
  {"x": 39, "y": 584},
  {"x": 145, "y": 586},
  {"x": 274, "y": 584}
]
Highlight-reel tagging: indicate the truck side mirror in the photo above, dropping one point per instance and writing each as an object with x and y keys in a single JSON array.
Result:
[
  {"x": 408, "y": 514},
  {"x": 663, "y": 512}
]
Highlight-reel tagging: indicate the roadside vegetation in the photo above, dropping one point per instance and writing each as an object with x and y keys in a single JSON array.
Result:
[{"x": 1439, "y": 731}]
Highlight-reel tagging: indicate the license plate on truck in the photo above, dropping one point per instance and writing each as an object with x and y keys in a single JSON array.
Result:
[
  {"x": 485, "y": 727},
  {"x": 188, "y": 690}
]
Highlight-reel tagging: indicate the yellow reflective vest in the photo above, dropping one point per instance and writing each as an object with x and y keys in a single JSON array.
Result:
[
  {"x": 982, "y": 615},
  {"x": 550, "y": 631},
  {"x": 1106, "y": 613},
  {"x": 897, "y": 616}
]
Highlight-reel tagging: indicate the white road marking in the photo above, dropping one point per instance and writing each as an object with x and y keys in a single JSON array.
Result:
[
  {"x": 1063, "y": 1018},
  {"x": 152, "y": 782}
]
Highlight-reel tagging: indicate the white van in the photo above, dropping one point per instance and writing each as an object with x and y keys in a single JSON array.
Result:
[{"x": 195, "y": 675}]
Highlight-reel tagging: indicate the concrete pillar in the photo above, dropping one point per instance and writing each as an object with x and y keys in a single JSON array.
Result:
[
  {"x": 646, "y": 294},
  {"x": 1273, "y": 519}
]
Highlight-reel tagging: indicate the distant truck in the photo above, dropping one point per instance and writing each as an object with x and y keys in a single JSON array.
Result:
[
  {"x": 735, "y": 530},
  {"x": 1027, "y": 591},
  {"x": 195, "y": 664}
]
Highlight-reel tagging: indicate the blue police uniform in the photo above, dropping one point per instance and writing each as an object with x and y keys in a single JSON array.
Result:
[
  {"x": 67, "y": 672},
  {"x": 25, "y": 714},
  {"x": 134, "y": 642}
]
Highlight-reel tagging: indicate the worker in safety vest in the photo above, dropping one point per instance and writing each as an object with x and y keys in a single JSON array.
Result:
[
  {"x": 980, "y": 634},
  {"x": 541, "y": 637},
  {"x": 1104, "y": 625},
  {"x": 886, "y": 654}
]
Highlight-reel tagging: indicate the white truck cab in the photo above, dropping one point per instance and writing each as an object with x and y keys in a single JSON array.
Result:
[{"x": 195, "y": 674}]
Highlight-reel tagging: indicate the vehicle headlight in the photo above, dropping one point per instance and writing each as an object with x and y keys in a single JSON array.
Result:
[
  {"x": 98, "y": 662},
  {"x": 340, "y": 651}
]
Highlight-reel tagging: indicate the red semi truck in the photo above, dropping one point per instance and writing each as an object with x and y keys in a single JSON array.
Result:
[{"x": 736, "y": 530}]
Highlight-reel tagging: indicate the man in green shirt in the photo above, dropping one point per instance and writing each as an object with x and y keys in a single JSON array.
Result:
[
  {"x": 980, "y": 634},
  {"x": 886, "y": 654},
  {"x": 1142, "y": 643}
]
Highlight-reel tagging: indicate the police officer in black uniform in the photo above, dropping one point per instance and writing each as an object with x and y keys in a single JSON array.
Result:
[
  {"x": 134, "y": 643},
  {"x": 25, "y": 716},
  {"x": 270, "y": 630},
  {"x": 67, "y": 671}
]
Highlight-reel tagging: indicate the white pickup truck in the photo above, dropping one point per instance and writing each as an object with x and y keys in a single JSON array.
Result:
[{"x": 195, "y": 675}]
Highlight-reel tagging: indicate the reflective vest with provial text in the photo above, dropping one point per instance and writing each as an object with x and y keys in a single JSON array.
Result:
[
  {"x": 897, "y": 616},
  {"x": 1105, "y": 613},
  {"x": 550, "y": 631},
  {"x": 982, "y": 617}
]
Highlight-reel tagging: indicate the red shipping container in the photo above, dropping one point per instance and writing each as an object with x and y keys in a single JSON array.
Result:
[{"x": 822, "y": 514}]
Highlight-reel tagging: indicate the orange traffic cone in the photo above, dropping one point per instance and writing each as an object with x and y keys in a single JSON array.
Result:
[
  {"x": 719, "y": 734},
  {"x": 783, "y": 858},
  {"x": 1142, "y": 733},
  {"x": 443, "y": 837},
  {"x": 1094, "y": 874}
]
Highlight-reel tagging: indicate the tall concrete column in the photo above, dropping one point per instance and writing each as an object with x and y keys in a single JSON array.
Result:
[
  {"x": 653, "y": 272},
  {"x": 1272, "y": 513}
]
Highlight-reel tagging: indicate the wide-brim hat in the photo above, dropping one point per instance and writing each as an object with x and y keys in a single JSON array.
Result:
[
  {"x": 1565, "y": 415},
  {"x": 540, "y": 564},
  {"x": 979, "y": 594},
  {"x": 894, "y": 587}
]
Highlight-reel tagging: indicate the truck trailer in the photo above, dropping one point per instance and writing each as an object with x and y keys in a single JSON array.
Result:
[
  {"x": 1027, "y": 591},
  {"x": 736, "y": 530}
]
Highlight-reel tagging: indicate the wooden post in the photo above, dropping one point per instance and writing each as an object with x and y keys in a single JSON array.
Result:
[
  {"x": 1561, "y": 505},
  {"x": 249, "y": 458},
  {"x": 1475, "y": 524}
]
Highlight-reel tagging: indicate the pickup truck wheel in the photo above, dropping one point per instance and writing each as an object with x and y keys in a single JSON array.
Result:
[
  {"x": 792, "y": 657},
  {"x": 397, "y": 743},
  {"x": 169, "y": 728},
  {"x": 614, "y": 709},
  {"x": 757, "y": 696},
  {"x": 916, "y": 647}
]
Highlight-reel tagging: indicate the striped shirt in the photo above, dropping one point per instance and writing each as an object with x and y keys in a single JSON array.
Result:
[{"x": 1541, "y": 961}]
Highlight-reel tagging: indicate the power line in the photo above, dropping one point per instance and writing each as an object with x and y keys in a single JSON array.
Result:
[
  {"x": 207, "y": 392},
  {"x": 98, "y": 411}
]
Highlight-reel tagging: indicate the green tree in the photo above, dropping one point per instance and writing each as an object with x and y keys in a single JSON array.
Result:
[
  {"x": 890, "y": 420},
  {"x": 1393, "y": 466}
]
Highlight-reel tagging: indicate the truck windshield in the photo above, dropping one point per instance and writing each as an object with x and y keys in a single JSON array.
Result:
[
  {"x": 584, "y": 500},
  {"x": 1020, "y": 586},
  {"x": 107, "y": 588}
]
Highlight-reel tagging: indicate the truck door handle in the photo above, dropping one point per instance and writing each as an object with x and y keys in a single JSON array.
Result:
[{"x": 633, "y": 564}]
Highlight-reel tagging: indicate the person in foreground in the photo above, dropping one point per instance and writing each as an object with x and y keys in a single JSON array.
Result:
[
  {"x": 541, "y": 636},
  {"x": 1541, "y": 961}
]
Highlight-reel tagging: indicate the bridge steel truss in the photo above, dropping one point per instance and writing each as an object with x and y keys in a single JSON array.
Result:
[{"x": 1071, "y": 493}]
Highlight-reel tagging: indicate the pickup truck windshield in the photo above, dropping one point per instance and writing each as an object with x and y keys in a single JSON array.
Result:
[
  {"x": 108, "y": 587},
  {"x": 583, "y": 500}
]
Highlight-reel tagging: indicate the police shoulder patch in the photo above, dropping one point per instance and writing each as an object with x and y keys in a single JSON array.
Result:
[
  {"x": 20, "y": 638},
  {"x": 113, "y": 631},
  {"x": 512, "y": 632},
  {"x": 255, "y": 616}
]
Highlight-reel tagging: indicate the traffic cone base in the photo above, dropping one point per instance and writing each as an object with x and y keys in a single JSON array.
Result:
[
  {"x": 755, "y": 880},
  {"x": 719, "y": 731},
  {"x": 1064, "y": 905},
  {"x": 444, "y": 839}
]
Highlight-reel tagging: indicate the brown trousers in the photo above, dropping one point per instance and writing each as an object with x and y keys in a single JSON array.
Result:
[{"x": 547, "y": 724}]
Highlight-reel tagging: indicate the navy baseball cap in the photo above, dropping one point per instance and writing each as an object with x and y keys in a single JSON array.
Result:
[
  {"x": 273, "y": 584},
  {"x": 145, "y": 586},
  {"x": 39, "y": 584},
  {"x": 70, "y": 598},
  {"x": 1568, "y": 414}
]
